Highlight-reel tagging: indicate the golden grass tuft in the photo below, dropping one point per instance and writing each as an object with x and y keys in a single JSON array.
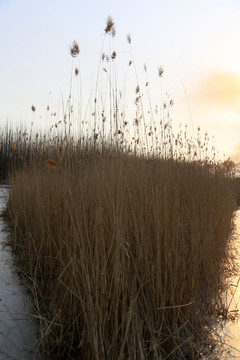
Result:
[{"x": 51, "y": 164}]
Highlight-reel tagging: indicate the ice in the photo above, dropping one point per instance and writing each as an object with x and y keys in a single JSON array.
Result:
[{"x": 19, "y": 329}]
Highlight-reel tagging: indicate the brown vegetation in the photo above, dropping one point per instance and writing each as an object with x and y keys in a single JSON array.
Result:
[
  {"x": 124, "y": 254},
  {"x": 123, "y": 232}
]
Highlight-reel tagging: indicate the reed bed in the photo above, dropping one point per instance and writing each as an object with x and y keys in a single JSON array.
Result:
[
  {"x": 125, "y": 254},
  {"x": 122, "y": 231}
]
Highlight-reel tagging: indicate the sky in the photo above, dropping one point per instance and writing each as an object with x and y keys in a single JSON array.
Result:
[{"x": 195, "y": 42}]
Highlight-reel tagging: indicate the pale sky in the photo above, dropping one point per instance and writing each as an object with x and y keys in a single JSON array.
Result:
[{"x": 196, "y": 43}]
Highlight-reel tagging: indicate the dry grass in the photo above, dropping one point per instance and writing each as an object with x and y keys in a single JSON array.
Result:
[
  {"x": 125, "y": 254},
  {"x": 123, "y": 230}
]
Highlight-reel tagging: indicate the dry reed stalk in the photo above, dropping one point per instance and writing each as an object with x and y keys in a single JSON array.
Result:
[
  {"x": 14, "y": 146},
  {"x": 60, "y": 153}
]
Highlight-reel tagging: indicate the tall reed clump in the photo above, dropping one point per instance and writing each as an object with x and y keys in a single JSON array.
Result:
[
  {"x": 122, "y": 230},
  {"x": 19, "y": 149},
  {"x": 125, "y": 254}
]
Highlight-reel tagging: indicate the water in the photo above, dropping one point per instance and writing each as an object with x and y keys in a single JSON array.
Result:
[
  {"x": 19, "y": 330},
  {"x": 226, "y": 330},
  {"x": 229, "y": 331}
]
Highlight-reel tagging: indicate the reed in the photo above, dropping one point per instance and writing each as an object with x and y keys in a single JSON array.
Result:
[
  {"x": 122, "y": 231},
  {"x": 125, "y": 253}
]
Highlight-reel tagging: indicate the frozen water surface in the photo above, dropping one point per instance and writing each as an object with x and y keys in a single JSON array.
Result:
[
  {"x": 19, "y": 331},
  {"x": 228, "y": 330}
]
